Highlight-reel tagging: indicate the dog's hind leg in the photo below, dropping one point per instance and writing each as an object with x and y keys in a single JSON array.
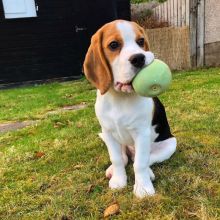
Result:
[{"x": 162, "y": 150}]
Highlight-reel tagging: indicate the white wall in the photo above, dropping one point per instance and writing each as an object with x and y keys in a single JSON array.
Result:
[{"x": 212, "y": 21}]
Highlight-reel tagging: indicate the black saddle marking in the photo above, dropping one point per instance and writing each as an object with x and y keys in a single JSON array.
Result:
[{"x": 160, "y": 120}]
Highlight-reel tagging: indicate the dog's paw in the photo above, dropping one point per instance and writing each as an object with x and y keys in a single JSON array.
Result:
[
  {"x": 109, "y": 172},
  {"x": 143, "y": 185},
  {"x": 142, "y": 190},
  {"x": 117, "y": 182}
]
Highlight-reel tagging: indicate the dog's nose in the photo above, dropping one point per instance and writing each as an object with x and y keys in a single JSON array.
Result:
[{"x": 137, "y": 60}]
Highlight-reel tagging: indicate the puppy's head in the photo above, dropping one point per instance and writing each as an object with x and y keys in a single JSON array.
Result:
[{"x": 117, "y": 52}]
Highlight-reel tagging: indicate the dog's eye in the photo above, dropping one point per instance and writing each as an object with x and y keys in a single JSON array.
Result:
[
  {"x": 140, "y": 42},
  {"x": 114, "y": 45}
]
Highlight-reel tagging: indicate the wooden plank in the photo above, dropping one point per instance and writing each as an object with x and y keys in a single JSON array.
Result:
[
  {"x": 193, "y": 28},
  {"x": 165, "y": 12},
  {"x": 154, "y": 12},
  {"x": 175, "y": 11},
  {"x": 187, "y": 9},
  {"x": 168, "y": 11},
  {"x": 179, "y": 13},
  {"x": 183, "y": 12},
  {"x": 200, "y": 33},
  {"x": 171, "y": 13},
  {"x": 159, "y": 12}
]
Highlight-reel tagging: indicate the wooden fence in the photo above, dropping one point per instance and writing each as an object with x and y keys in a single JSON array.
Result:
[
  {"x": 171, "y": 45},
  {"x": 175, "y": 12},
  {"x": 180, "y": 13}
]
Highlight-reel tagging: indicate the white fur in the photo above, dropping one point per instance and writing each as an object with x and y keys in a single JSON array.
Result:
[{"x": 126, "y": 120}]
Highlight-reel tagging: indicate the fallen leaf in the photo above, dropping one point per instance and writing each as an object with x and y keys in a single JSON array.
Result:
[
  {"x": 78, "y": 166},
  {"x": 90, "y": 188},
  {"x": 112, "y": 210},
  {"x": 58, "y": 124},
  {"x": 39, "y": 154}
]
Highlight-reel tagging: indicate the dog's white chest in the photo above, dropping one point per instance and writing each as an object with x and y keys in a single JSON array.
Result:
[{"x": 123, "y": 115}]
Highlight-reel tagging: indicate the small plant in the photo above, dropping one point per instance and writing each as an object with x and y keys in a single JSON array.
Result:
[{"x": 147, "y": 20}]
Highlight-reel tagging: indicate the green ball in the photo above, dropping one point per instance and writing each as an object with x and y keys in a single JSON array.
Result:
[{"x": 153, "y": 79}]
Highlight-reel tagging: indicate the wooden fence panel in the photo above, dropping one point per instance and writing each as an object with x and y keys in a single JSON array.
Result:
[
  {"x": 183, "y": 13},
  {"x": 187, "y": 9},
  {"x": 175, "y": 12},
  {"x": 200, "y": 33},
  {"x": 179, "y": 12},
  {"x": 168, "y": 11},
  {"x": 193, "y": 34},
  {"x": 171, "y": 45},
  {"x": 165, "y": 12}
]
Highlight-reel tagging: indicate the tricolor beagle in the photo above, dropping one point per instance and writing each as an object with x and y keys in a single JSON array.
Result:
[{"x": 131, "y": 124}]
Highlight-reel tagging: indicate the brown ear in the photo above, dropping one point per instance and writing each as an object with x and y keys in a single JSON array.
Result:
[{"x": 96, "y": 67}]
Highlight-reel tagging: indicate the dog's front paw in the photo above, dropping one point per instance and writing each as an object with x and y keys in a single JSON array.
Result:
[
  {"x": 143, "y": 186},
  {"x": 117, "y": 182},
  {"x": 142, "y": 190}
]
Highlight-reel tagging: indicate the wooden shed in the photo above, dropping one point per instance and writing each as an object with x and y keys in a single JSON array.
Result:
[{"x": 42, "y": 40}]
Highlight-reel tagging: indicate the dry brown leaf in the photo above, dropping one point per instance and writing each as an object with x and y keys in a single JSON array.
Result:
[
  {"x": 78, "y": 166},
  {"x": 111, "y": 210},
  {"x": 58, "y": 124},
  {"x": 90, "y": 188},
  {"x": 39, "y": 154}
]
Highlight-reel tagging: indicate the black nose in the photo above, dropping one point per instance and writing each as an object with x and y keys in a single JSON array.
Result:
[{"x": 137, "y": 60}]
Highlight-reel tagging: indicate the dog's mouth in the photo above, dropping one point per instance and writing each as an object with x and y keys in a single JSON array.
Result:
[{"x": 124, "y": 87}]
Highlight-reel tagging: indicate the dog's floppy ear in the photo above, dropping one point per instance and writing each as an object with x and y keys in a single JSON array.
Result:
[{"x": 96, "y": 67}]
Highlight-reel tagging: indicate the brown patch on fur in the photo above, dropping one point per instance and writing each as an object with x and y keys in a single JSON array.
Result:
[
  {"x": 140, "y": 32},
  {"x": 111, "y": 33}
]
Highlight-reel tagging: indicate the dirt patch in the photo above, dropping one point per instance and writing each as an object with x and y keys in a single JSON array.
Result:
[
  {"x": 68, "y": 108},
  {"x": 12, "y": 126}
]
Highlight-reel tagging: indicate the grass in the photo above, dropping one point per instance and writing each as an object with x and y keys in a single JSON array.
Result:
[{"x": 56, "y": 170}]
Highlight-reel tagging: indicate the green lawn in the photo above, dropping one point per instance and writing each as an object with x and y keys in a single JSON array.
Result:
[{"x": 65, "y": 179}]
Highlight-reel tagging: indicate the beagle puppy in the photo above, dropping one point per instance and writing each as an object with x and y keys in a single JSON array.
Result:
[{"x": 132, "y": 125}]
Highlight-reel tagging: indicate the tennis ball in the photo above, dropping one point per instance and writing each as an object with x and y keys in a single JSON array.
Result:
[{"x": 153, "y": 79}]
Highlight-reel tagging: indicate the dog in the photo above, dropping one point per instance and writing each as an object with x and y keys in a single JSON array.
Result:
[{"x": 132, "y": 125}]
